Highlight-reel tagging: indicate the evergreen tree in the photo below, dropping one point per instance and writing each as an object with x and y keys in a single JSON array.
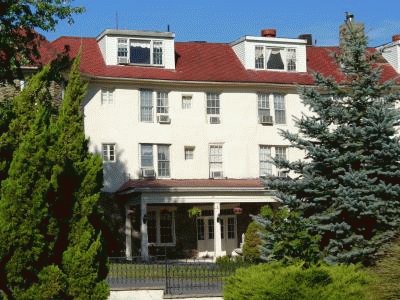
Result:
[
  {"x": 26, "y": 225},
  {"x": 77, "y": 181},
  {"x": 49, "y": 246},
  {"x": 348, "y": 186},
  {"x": 17, "y": 116}
]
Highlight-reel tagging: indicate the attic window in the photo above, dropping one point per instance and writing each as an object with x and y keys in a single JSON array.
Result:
[
  {"x": 275, "y": 58},
  {"x": 275, "y": 61},
  {"x": 141, "y": 52}
]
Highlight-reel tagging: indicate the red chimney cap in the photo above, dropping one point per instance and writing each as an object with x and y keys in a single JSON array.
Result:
[
  {"x": 270, "y": 32},
  {"x": 396, "y": 38}
]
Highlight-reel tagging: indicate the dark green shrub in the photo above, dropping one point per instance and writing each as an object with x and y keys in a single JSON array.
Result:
[
  {"x": 277, "y": 281},
  {"x": 252, "y": 242}
]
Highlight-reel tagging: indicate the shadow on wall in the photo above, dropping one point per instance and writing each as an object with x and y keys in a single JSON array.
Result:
[{"x": 115, "y": 172}]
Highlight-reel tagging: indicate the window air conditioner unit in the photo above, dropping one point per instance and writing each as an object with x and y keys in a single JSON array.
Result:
[
  {"x": 163, "y": 119},
  {"x": 266, "y": 120},
  {"x": 217, "y": 174},
  {"x": 214, "y": 120},
  {"x": 148, "y": 173},
  {"x": 122, "y": 60}
]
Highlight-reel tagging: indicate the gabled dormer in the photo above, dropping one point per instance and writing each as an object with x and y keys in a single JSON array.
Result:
[
  {"x": 268, "y": 52},
  {"x": 391, "y": 52},
  {"x": 137, "y": 47}
]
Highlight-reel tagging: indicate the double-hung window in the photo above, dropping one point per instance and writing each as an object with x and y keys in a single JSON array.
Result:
[
  {"x": 161, "y": 164},
  {"x": 162, "y": 102},
  {"x": 215, "y": 161},
  {"x": 108, "y": 152},
  {"x": 265, "y": 160},
  {"x": 213, "y": 108},
  {"x": 263, "y": 106},
  {"x": 291, "y": 59},
  {"x": 259, "y": 55},
  {"x": 122, "y": 51},
  {"x": 280, "y": 110},
  {"x": 213, "y": 104},
  {"x": 163, "y": 160},
  {"x": 280, "y": 153},
  {"x": 146, "y": 156},
  {"x": 107, "y": 96},
  {"x": 146, "y": 106},
  {"x": 267, "y": 167}
]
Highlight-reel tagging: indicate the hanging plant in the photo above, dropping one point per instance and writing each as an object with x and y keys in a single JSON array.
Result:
[{"x": 194, "y": 212}]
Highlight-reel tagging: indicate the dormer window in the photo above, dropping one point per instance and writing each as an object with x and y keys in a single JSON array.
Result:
[
  {"x": 122, "y": 51},
  {"x": 273, "y": 58},
  {"x": 141, "y": 52}
]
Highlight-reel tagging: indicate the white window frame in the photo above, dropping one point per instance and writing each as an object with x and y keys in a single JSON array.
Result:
[
  {"x": 109, "y": 152},
  {"x": 189, "y": 152},
  {"x": 187, "y": 101},
  {"x": 162, "y": 102},
  {"x": 122, "y": 48},
  {"x": 262, "y": 55},
  {"x": 291, "y": 58},
  {"x": 213, "y": 103},
  {"x": 280, "y": 109},
  {"x": 107, "y": 96},
  {"x": 275, "y": 151},
  {"x": 156, "y": 50},
  {"x": 215, "y": 159},
  {"x": 159, "y": 162},
  {"x": 265, "y": 160},
  {"x": 264, "y": 106},
  {"x": 158, "y": 210},
  {"x": 157, "y": 104}
]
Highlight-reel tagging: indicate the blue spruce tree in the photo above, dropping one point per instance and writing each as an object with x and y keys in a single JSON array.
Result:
[{"x": 348, "y": 187}]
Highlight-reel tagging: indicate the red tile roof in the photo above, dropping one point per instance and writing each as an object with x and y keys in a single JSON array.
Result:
[
  {"x": 191, "y": 183},
  {"x": 209, "y": 62}
]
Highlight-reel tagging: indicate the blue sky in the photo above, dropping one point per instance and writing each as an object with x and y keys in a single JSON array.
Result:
[{"x": 225, "y": 21}]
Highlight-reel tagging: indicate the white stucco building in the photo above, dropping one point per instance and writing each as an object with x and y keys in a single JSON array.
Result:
[{"x": 193, "y": 124}]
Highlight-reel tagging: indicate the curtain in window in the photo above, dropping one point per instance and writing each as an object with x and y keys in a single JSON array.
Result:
[
  {"x": 275, "y": 61},
  {"x": 140, "y": 52}
]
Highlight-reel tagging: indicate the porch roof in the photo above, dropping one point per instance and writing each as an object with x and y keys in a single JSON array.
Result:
[{"x": 141, "y": 185}]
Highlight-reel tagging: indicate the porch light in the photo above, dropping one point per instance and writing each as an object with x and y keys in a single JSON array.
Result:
[
  {"x": 237, "y": 210},
  {"x": 145, "y": 218}
]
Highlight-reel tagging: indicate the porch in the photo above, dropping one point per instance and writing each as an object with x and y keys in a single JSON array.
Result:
[{"x": 157, "y": 218}]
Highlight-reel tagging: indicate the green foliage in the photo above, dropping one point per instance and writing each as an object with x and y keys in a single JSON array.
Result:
[
  {"x": 50, "y": 242},
  {"x": 18, "y": 41},
  {"x": 286, "y": 237},
  {"x": 18, "y": 115},
  {"x": 26, "y": 223},
  {"x": 387, "y": 274},
  {"x": 194, "y": 212},
  {"x": 252, "y": 242},
  {"x": 347, "y": 188},
  {"x": 78, "y": 176},
  {"x": 277, "y": 281}
]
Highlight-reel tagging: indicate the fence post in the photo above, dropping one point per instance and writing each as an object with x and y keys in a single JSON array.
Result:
[{"x": 166, "y": 271}]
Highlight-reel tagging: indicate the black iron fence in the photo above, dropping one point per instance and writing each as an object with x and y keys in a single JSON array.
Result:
[{"x": 176, "y": 277}]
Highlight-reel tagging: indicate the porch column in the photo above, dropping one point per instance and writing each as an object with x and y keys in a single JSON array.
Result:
[
  {"x": 128, "y": 232},
  {"x": 143, "y": 231},
  {"x": 217, "y": 232}
]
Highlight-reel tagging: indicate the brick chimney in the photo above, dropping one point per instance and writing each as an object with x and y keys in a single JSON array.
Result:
[{"x": 270, "y": 32}]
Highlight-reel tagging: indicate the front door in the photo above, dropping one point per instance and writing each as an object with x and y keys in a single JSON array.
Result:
[{"x": 205, "y": 235}]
